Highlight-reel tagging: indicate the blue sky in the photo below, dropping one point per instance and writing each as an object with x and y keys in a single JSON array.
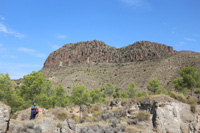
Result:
[{"x": 31, "y": 29}]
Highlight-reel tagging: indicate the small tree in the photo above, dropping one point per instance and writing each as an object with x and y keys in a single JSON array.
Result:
[
  {"x": 155, "y": 87},
  {"x": 116, "y": 93},
  {"x": 190, "y": 79},
  {"x": 32, "y": 86},
  {"x": 80, "y": 96},
  {"x": 97, "y": 96},
  {"x": 60, "y": 96},
  {"x": 109, "y": 89},
  {"x": 131, "y": 90}
]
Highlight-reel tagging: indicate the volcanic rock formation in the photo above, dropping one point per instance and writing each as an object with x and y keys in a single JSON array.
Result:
[{"x": 99, "y": 52}]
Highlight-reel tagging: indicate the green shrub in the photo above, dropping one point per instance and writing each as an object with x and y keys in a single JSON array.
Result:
[
  {"x": 197, "y": 91},
  {"x": 95, "y": 115},
  {"x": 142, "y": 115},
  {"x": 13, "y": 116},
  {"x": 178, "y": 96},
  {"x": 192, "y": 100},
  {"x": 62, "y": 116},
  {"x": 75, "y": 118},
  {"x": 193, "y": 107},
  {"x": 141, "y": 94},
  {"x": 59, "y": 125},
  {"x": 95, "y": 107}
]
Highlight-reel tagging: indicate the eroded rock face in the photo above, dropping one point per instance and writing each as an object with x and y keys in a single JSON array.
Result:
[
  {"x": 175, "y": 117},
  {"x": 99, "y": 52},
  {"x": 4, "y": 117}
]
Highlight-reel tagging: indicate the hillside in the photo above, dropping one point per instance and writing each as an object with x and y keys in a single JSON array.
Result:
[
  {"x": 93, "y": 63},
  {"x": 157, "y": 114}
]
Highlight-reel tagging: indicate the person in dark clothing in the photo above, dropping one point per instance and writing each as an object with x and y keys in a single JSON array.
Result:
[{"x": 33, "y": 108}]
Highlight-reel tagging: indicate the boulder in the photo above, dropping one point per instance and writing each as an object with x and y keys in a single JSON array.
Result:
[
  {"x": 173, "y": 117},
  {"x": 4, "y": 117}
]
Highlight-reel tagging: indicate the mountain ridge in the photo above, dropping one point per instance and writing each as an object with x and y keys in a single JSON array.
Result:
[
  {"x": 99, "y": 52},
  {"x": 165, "y": 67}
]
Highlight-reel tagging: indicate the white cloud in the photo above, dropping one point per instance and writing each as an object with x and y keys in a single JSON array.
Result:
[
  {"x": 137, "y": 3},
  {"x": 181, "y": 44},
  {"x": 61, "y": 36},
  {"x": 55, "y": 47},
  {"x": 40, "y": 55},
  {"x": 173, "y": 32},
  {"x": 9, "y": 56},
  {"x": 2, "y": 18},
  {"x": 190, "y": 39},
  {"x": 3, "y": 50},
  {"x": 26, "y": 50},
  {"x": 5, "y": 31},
  {"x": 31, "y": 52}
]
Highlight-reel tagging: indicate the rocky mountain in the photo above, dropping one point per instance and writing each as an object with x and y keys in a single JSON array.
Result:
[
  {"x": 98, "y": 52},
  {"x": 157, "y": 114},
  {"x": 93, "y": 63}
]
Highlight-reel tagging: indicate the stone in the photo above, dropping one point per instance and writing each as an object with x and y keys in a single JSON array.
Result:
[
  {"x": 30, "y": 125},
  {"x": 114, "y": 122},
  {"x": 132, "y": 121},
  {"x": 72, "y": 124},
  {"x": 122, "y": 128},
  {"x": 4, "y": 117}
]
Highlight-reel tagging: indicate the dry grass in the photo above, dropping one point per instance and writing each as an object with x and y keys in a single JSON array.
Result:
[
  {"x": 143, "y": 116},
  {"x": 62, "y": 116}
]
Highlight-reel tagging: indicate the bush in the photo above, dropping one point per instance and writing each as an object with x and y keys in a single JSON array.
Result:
[
  {"x": 178, "y": 96},
  {"x": 141, "y": 94},
  {"x": 192, "y": 100},
  {"x": 143, "y": 116},
  {"x": 95, "y": 115},
  {"x": 62, "y": 116},
  {"x": 95, "y": 107},
  {"x": 75, "y": 118},
  {"x": 193, "y": 107},
  {"x": 13, "y": 116},
  {"x": 197, "y": 91}
]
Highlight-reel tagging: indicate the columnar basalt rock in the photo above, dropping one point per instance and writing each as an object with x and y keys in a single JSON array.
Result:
[{"x": 99, "y": 52}]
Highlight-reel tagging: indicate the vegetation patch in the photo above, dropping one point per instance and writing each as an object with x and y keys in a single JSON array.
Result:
[
  {"x": 62, "y": 116},
  {"x": 143, "y": 116},
  {"x": 178, "y": 96},
  {"x": 95, "y": 115}
]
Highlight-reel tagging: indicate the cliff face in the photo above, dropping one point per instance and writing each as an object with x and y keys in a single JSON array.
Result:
[{"x": 99, "y": 52}]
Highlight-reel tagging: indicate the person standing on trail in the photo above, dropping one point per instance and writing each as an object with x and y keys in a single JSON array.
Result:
[{"x": 33, "y": 109}]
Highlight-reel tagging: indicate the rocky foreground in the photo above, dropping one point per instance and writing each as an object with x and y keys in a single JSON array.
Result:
[{"x": 162, "y": 114}]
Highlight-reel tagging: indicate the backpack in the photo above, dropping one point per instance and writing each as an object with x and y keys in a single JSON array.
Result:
[{"x": 36, "y": 111}]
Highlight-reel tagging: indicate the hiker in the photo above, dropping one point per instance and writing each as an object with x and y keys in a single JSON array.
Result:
[{"x": 33, "y": 110}]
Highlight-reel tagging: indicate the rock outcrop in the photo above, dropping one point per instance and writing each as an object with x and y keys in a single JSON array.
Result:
[
  {"x": 99, "y": 52},
  {"x": 165, "y": 115},
  {"x": 4, "y": 117}
]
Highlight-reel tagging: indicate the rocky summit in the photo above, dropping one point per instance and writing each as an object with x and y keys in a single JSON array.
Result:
[{"x": 99, "y": 52}]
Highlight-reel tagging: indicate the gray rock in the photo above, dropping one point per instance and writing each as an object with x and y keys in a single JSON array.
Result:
[
  {"x": 4, "y": 117},
  {"x": 30, "y": 131},
  {"x": 132, "y": 121},
  {"x": 122, "y": 128},
  {"x": 38, "y": 129},
  {"x": 30, "y": 125},
  {"x": 72, "y": 124},
  {"x": 18, "y": 128},
  {"x": 114, "y": 122}
]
